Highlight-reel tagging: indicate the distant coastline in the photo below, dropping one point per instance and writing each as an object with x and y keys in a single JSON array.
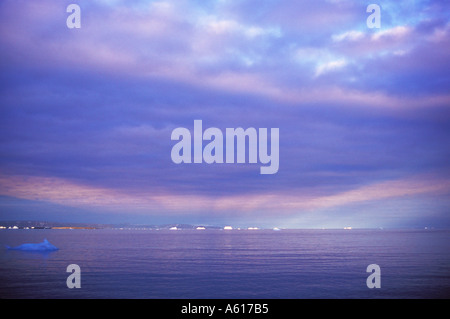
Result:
[{"x": 29, "y": 224}]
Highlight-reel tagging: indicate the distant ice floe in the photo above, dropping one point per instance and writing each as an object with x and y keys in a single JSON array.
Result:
[{"x": 44, "y": 246}]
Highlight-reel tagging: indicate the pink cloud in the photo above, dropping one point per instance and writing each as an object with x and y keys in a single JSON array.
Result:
[
  {"x": 64, "y": 192},
  {"x": 160, "y": 49}
]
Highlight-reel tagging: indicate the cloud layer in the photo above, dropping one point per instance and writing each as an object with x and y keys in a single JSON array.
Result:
[{"x": 363, "y": 113}]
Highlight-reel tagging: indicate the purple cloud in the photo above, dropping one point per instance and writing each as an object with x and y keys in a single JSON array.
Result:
[{"x": 87, "y": 114}]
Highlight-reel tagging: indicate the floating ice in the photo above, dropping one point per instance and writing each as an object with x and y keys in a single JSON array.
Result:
[{"x": 44, "y": 246}]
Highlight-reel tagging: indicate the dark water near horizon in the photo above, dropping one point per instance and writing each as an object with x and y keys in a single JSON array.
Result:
[{"x": 228, "y": 264}]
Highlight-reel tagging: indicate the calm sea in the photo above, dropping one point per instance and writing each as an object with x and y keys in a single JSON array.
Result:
[{"x": 228, "y": 264}]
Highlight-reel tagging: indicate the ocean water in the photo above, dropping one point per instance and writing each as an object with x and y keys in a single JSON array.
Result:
[{"x": 212, "y": 264}]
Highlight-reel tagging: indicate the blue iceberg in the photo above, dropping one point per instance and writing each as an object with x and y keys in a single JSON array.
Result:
[{"x": 44, "y": 246}]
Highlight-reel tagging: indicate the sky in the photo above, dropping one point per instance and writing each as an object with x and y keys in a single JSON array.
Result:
[{"x": 86, "y": 114}]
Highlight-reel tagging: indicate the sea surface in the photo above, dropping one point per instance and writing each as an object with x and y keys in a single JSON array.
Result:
[{"x": 224, "y": 264}]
